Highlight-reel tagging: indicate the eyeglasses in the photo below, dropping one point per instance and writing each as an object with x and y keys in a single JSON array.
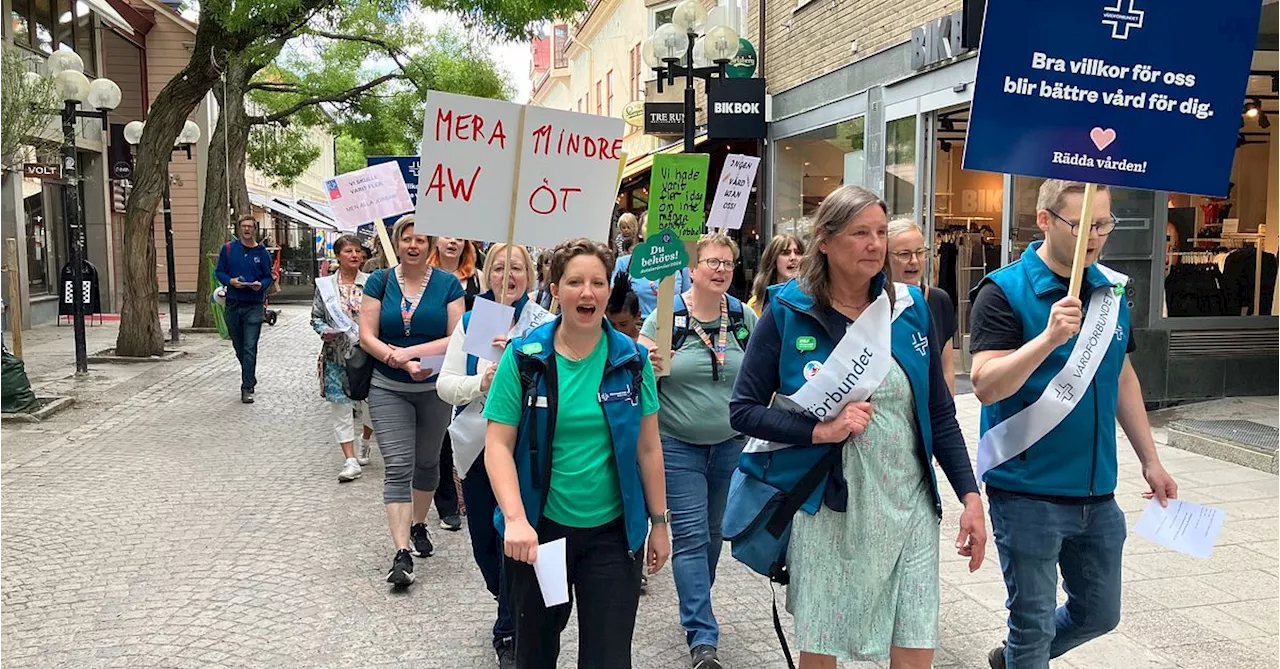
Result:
[
  {"x": 716, "y": 264},
  {"x": 1102, "y": 227},
  {"x": 908, "y": 256}
]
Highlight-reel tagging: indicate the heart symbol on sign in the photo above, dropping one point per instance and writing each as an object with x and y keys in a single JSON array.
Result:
[{"x": 1102, "y": 138}]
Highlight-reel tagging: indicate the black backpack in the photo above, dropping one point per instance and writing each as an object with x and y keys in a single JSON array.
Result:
[{"x": 737, "y": 327}]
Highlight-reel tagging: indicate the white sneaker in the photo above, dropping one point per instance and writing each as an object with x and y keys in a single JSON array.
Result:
[
  {"x": 350, "y": 471},
  {"x": 363, "y": 450}
]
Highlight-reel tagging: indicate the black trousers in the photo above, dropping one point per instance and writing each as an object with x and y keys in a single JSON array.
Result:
[
  {"x": 605, "y": 581},
  {"x": 446, "y": 495}
]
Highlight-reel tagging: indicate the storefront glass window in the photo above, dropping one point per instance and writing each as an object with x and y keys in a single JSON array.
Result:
[
  {"x": 42, "y": 17},
  {"x": 42, "y": 240},
  {"x": 811, "y": 166},
  {"x": 900, "y": 166}
]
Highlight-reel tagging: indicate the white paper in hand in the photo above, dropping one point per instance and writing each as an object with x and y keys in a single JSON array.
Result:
[
  {"x": 552, "y": 571},
  {"x": 488, "y": 320},
  {"x": 1185, "y": 527},
  {"x": 432, "y": 362}
]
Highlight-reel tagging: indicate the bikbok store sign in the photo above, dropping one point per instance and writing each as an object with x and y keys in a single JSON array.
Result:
[
  {"x": 737, "y": 109},
  {"x": 1113, "y": 91},
  {"x": 491, "y": 170}
]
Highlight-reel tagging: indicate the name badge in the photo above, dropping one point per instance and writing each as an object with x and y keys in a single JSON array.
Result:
[{"x": 618, "y": 396}]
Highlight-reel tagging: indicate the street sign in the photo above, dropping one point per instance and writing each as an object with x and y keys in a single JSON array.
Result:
[
  {"x": 44, "y": 171},
  {"x": 1113, "y": 91},
  {"x": 633, "y": 114},
  {"x": 737, "y": 109}
]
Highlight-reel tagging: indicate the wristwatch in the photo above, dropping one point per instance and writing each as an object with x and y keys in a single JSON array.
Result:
[{"x": 663, "y": 518}]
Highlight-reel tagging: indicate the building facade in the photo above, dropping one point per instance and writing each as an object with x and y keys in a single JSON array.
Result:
[{"x": 876, "y": 94}]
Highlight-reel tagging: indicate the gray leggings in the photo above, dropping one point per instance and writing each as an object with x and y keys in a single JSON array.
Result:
[{"x": 410, "y": 428}]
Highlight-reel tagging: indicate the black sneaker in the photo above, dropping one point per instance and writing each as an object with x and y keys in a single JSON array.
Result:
[
  {"x": 995, "y": 658},
  {"x": 506, "y": 650},
  {"x": 246, "y": 396},
  {"x": 451, "y": 523},
  {"x": 401, "y": 574},
  {"x": 644, "y": 584},
  {"x": 704, "y": 657},
  {"x": 422, "y": 546}
]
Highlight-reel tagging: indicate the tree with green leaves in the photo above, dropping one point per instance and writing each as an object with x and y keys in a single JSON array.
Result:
[
  {"x": 23, "y": 94},
  {"x": 237, "y": 40},
  {"x": 364, "y": 71}
]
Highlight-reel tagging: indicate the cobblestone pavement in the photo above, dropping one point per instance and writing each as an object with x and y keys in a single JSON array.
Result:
[{"x": 164, "y": 524}]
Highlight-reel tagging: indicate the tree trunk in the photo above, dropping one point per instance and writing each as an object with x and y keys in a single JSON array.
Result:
[
  {"x": 226, "y": 171},
  {"x": 140, "y": 333}
]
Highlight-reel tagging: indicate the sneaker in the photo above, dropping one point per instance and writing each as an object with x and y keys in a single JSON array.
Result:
[
  {"x": 422, "y": 546},
  {"x": 246, "y": 397},
  {"x": 452, "y": 523},
  {"x": 363, "y": 450},
  {"x": 995, "y": 658},
  {"x": 350, "y": 471},
  {"x": 644, "y": 584},
  {"x": 506, "y": 650},
  {"x": 704, "y": 657},
  {"x": 401, "y": 574}
]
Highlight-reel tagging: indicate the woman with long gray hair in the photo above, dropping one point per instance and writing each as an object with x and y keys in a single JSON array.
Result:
[{"x": 863, "y": 554}]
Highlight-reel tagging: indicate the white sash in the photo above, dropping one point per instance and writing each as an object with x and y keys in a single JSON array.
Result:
[
  {"x": 1016, "y": 434},
  {"x": 854, "y": 370},
  {"x": 466, "y": 432},
  {"x": 332, "y": 304}
]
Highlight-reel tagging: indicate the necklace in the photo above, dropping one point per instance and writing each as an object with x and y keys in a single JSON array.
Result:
[
  {"x": 857, "y": 307},
  {"x": 407, "y": 306},
  {"x": 717, "y": 349},
  {"x": 575, "y": 355}
]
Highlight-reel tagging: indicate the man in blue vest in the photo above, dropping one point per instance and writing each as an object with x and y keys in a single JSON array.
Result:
[{"x": 1051, "y": 400}]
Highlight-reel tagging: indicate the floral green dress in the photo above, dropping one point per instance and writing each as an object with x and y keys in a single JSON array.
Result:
[{"x": 867, "y": 579}]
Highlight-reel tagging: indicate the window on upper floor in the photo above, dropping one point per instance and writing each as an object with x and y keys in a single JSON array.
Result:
[
  {"x": 599, "y": 99},
  {"x": 42, "y": 25},
  {"x": 86, "y": 37},
  {"x": 20, "y": 22},
  {"x": 661, "y": 14},
  {"x": 608, "y": 81}
]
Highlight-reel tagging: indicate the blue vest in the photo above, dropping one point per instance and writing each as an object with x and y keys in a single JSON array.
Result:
[
  {"x": 1078, "y": 457},
  {"x": 619, "y": 395},
  {"x": 798, "y": 318}
]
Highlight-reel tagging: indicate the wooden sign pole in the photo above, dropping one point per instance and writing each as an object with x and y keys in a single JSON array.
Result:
[
  {"x": 515, "y": 202},
  {"x": 388, "y": 250},
  {"x": 662, "y": 330},
  {"x": 1083, "y": 230}
]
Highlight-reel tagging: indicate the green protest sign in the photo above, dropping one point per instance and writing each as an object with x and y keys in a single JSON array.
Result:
[
  {"x": 678, "y": 188},
  {"x": 658, "y": 257}
]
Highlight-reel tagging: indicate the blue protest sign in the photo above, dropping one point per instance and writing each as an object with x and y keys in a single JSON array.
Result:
[
  {"x": 1134, "y": 93},
  {"x": 408, "y": 170}
]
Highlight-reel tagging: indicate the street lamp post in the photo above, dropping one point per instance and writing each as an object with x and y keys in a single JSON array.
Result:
[
  {"x": 678, "y": 40},
  {"x": 67, "y": 70},
  {"x": 190, "y": 135}
]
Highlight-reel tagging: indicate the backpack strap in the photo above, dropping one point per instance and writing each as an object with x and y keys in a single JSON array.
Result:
[
  {"x": 738, "y": 322},
  {"x": 531, "y": 370}
]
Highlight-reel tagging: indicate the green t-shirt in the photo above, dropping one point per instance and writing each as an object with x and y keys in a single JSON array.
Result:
[
  {"x": 584, "y": 477},
  {"x": 695, "y": 408}
]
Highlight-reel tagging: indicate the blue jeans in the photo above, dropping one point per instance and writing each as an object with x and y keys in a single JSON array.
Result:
[
  {"x": 486, "y": 544},
  {"x": 697, "y": 487},
  {"x": 244, "y": 323},
  {"x": 1035, "y": 538}
]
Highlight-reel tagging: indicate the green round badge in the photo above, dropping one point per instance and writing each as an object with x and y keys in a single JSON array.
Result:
[{"x": 743, "y": 65}]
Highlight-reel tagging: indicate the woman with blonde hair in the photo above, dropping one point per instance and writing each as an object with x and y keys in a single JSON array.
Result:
[
  {"x": 841, "y": 377},
  {"x": 464, "y": 383},
  {"x": 407, "y": 315},
  {"x": 907, "y": 253},
  {"x": 781, "y": 261},
  {"x": 628, "y": 234}
]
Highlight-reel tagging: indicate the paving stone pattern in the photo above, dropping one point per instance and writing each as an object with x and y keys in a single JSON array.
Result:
[{"x": 164, "y": 524}]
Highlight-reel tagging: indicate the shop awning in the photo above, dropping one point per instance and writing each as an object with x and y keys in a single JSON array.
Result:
[
  {"x": 108, "y": 14},
  {"x": 293, "y": 209},
  {"x": 642, "y": 163}
]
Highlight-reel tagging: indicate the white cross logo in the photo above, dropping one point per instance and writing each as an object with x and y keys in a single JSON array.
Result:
[
  {"x": 413, "y": 168},
  {"x": 1065, "y": 392},
  {"x": 920, "y": 342},
  {"x": 1121, "y": 21}
]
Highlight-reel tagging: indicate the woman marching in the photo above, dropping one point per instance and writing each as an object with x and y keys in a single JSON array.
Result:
[
  {"x": 334, "y": 314},
  {"x": 699, "y": 447},
  {"x": 580, "y": 460},
  {"x": 458, "y": 256},
  {"x": 781, "y": 261},
  {"x": 841, "y": 342},
  {"x": 464, "y": 383},
  {"x": 408, "y": 314},
  {"x": 906, "y": 264}
]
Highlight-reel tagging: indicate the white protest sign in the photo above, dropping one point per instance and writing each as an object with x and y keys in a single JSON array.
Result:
[
  {"x": 732, "y": 192},
  {"x": 568, "y": 176},
  {"x": 468, "y": 166},
  {"x": 370, "y": 194},
  {"x": 493, "y": 170}
]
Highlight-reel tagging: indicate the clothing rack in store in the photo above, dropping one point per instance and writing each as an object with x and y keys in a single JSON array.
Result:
[{"x": 1233, "y": 240}]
